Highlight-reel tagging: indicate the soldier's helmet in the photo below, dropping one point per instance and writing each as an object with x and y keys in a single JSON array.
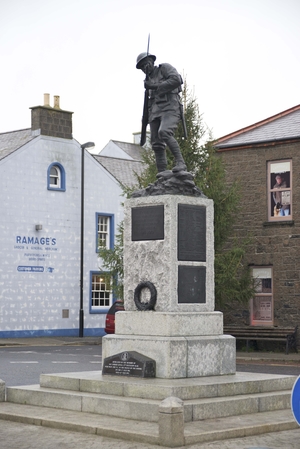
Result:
[{"x": 142, "y": 56}]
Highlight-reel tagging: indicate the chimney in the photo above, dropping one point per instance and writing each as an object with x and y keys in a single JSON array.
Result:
[{"x": 50, "y": 121}]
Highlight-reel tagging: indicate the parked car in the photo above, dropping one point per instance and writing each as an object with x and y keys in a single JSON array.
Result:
[{"x": 110, "y": 317}]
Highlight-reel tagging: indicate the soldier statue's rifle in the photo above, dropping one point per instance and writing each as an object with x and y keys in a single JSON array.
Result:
[
  {"x": 185, "y": 134},
  {"x": 145, "y": 118}
]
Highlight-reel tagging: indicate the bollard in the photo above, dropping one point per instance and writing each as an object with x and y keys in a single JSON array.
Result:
[
  {"x": 2, "y": 391},
  {"x": 171, "y": 422}
]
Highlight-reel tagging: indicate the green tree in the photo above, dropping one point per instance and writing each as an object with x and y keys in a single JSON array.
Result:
[{"x": 233, "y": 280}]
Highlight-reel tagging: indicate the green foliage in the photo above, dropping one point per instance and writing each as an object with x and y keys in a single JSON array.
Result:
[
  {"x": 233, "y": 280},
  {"x": 112, "y": 261}
]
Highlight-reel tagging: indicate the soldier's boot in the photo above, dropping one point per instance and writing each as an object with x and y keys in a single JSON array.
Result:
[
  {"x": 175, "y": 150},
  {"x": 160, "y": 157}
]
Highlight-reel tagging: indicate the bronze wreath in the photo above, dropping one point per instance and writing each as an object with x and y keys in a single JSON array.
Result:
[{"x": 137, "y": 294}]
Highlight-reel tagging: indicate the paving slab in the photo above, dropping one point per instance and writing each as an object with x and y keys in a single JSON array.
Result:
[
  {"x": 24, "y": 436},
  {"x": 145, "y": 432}
]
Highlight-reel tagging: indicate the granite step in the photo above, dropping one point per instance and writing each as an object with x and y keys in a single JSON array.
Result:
[
  {"x": 159, "y": 389},
  {"x": 147, "y": 432},
  {"x": 147, "y": 409}
]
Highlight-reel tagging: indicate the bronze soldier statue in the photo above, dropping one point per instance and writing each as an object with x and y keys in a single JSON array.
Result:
[{"x": 162, "y": 109}]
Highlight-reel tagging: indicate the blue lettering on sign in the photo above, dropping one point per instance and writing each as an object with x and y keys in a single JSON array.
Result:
[
  {"x": 45, "y": 241},
  {"x": 30, "y": 269},
  {"x": 295, "y": 400}
]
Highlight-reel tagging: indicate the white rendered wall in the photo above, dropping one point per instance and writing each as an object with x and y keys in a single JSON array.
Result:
[
  {"x": 39, "y": 279},
  {"x": 103, "y": 195}
]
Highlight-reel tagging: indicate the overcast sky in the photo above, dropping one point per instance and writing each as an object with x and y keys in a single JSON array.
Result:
[{"x": 241, "y": 57}]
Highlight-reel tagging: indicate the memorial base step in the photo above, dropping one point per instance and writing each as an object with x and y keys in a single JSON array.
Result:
[
  {"x": 214, "y": 408},
  {"x": 148, "y": 432}
]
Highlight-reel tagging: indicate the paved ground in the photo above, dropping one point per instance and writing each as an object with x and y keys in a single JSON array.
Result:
[
  {"x": 24, "y": 436},
  {"x": 50, "y": 341}
]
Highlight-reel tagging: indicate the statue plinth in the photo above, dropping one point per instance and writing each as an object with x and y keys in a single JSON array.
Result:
[{"x": 169, "y": 268}]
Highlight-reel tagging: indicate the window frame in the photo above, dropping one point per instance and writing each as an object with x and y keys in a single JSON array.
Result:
[
  {"x": 267, "y": 295},
  {"x": 99, "y": 309},
  {"x": 111, "y": 226},
  {"x": 61, "y": 187},
  {"x": 271, "y": 191}
]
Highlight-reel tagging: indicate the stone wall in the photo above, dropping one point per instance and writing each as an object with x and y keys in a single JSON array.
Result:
[
  {"x": 52, "y": 122},
  {"x": 275, "y": 244}
]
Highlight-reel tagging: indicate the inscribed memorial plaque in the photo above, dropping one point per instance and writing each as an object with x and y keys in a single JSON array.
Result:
[
  {"x": 191, "y": 284},
  {"x": 191, "y": 233},
  {"x": 129, "y": 363},
  {"x": 147, "y": 223}
]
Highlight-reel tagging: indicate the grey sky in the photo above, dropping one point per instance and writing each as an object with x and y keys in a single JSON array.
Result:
[{"x": 241, "y": 57}]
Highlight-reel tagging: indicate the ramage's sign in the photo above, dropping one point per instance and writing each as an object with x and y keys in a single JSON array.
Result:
[{"x": 23, "y": 240}]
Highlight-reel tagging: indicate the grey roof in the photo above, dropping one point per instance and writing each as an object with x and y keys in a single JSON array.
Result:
[
  {"x": 121, "y": 169},
  {"x": 13, "y": 140},
  {"x": 132, "y": 149},
  {"x": 283, "y": 126}
]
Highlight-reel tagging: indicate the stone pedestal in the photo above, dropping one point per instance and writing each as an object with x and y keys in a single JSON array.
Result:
[{"x": 168, "y": 241}]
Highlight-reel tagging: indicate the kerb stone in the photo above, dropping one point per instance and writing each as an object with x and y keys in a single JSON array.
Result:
[{"x": 2, "y": 391}]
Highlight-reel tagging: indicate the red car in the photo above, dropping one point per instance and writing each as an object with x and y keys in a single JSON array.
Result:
[{"x": 110, "y": 317}]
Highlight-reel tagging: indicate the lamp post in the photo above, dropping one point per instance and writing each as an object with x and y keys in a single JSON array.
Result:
[{"x": 81, "y": 312}]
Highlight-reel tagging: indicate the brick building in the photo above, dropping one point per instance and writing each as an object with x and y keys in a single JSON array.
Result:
[{"x": 265, "y": 158}]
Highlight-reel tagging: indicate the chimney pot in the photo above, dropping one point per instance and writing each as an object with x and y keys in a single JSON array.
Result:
[
  {"x": 56, "y": 102},
  {"x": 46, "y": 99}
]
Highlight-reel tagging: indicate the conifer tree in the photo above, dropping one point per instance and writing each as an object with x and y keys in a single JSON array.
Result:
[{"x": 233, "y": 280}]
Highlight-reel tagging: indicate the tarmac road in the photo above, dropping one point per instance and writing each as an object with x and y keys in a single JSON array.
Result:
[
  {"x": 23, "y": 436},
  {"x": 23, "y": 365}
]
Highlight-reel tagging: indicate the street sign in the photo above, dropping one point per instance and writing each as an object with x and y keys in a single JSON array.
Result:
[{"x": 295, "y": 400}]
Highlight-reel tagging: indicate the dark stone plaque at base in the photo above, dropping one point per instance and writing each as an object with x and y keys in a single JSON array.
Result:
[{"x": 129, "y": 363}]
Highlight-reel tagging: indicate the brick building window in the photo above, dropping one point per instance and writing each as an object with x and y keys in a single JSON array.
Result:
[
  {"x": 280, "y": 190},
  {"x": 101, "y": 292},
  {"x": 261, "y": 305},
  {"x": 104, "y": 230}
]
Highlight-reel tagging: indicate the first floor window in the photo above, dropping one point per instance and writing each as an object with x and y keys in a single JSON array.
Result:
[
  {"x": 104, "y": 230},
  {"x": 261, "y": 306},
  {"x": 101, "y": 293},
  {"x": 280, "y": 190}
]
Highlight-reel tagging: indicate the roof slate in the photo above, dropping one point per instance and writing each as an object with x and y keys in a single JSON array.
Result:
[
  {"x": 283, "y": 126},
  {"x": 11, "y": 141},
  {"x": 132, "y": 149},
  {"x": 121, "y": 169}
]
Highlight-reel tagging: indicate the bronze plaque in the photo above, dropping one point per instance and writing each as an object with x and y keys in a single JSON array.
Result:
[
  {"x": 191, "y": 284},
  {"x": 191, "y": 233},
  {"x": 147, "y": 223}
]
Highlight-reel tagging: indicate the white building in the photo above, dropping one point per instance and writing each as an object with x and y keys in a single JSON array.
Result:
[{"x": 45, "y": 283}]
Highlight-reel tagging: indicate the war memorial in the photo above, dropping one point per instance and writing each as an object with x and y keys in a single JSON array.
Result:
[{"x": 169, "y": 372}]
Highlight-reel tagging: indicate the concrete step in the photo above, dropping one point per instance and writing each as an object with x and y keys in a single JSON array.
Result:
[
  {"x": 147, "y": 432},
  {"x": 159, "y": 389},
  {"x": 239, "y": 405},
  {"x": 147, "y": 409},
  {"x": 118, "y": 406}
]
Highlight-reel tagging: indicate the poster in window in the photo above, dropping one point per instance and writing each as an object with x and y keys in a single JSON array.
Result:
[
  {"x": 280, "y": 189},
  {"x": 262, "y": 308}
]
